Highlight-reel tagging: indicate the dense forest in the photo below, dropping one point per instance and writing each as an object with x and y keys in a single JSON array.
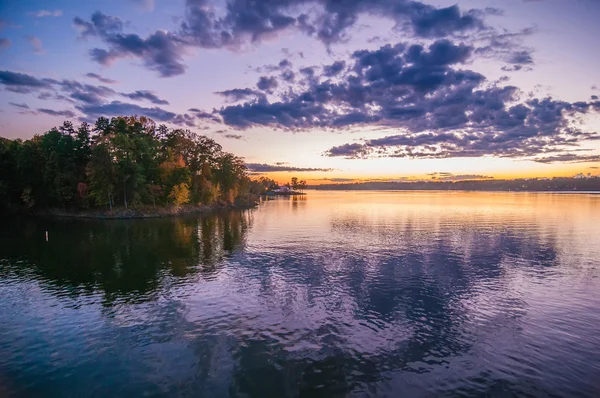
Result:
[
  {"x": 534, "y": 184},
  {"x": 126, "y": 162}
]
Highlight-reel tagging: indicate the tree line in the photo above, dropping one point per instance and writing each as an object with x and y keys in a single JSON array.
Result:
[
  {"x": 124, "y": 161},
  {"x": 589, "y": 183}
]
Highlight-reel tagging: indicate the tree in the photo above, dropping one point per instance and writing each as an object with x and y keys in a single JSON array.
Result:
[
  {"x": 294, "y": 183},
  {"x": 122, "y": 157},
  {"x": 101, "y": 175},
  {"x": 180, "y": 194},
  {"x": 302, "y": 185}
]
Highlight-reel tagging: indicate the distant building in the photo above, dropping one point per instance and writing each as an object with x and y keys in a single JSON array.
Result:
[{"x": 283, "y": 189}]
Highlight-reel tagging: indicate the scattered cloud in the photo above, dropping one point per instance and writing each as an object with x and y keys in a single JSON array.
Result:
[
  {"x": 339, "y": 179},
  {"x": 329, "y": 21},
  {"x": 118, "y": 108},
  {"x": 23, "y": 83},
  {"x": 95, "y": 101},
  {"x": 46, "y": 13},
  {"x": 568, "y": 158},
  {"x": 100, "y": 78},
  {"x": 4, "y": 43},
  {"x": 51, "y": 112},
  {"x": 7, "y": 24},
  {"x": 438, "y": 108},
  {"x": 233, "y": 136},
  {"x": 268, "y": 168},
  {"x": 20, "y": 106},
  {"x": 147, "y": 5},
  {"x": 146, "y": 95},
  {"x": 238, "y": 94},
  {"x": 459, "y": 177},
  {"x": 36, "y": 43},
  {"x": 267, "y": 84}
]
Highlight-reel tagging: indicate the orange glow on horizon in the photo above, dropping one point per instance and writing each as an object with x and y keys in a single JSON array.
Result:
[{"x": 319, "y": 178}]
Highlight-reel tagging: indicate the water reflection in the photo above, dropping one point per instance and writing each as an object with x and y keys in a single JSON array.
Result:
[
  {"x": 330, "y": 295},
  {"x": 120, "y": 257}
]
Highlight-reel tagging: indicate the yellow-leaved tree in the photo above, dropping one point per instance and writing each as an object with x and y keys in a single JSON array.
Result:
[{"x": 180, "y": 194}]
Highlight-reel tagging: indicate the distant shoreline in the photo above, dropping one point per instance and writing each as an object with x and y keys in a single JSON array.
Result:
[
  {"x": 454, "y": 190},
  {"x": 557, "y": 184}
]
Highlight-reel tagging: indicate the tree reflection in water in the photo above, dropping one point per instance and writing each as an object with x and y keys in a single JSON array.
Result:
[{"x": 120, "y": 257}]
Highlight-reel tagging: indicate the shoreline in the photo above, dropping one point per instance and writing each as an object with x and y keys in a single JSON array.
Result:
[{"x": 143, "y": 212}]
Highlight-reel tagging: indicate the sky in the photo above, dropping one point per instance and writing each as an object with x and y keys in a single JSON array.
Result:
[{"x": 324, "y": 90}]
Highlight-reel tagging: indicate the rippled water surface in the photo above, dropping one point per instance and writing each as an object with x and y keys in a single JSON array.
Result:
[{"x": 335, "y": 294}]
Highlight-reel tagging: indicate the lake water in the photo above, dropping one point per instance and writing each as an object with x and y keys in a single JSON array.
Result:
[{"x": 330, "y": 295}]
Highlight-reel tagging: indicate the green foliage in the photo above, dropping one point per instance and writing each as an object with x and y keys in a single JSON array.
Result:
[{"x": 126, "y": 160}]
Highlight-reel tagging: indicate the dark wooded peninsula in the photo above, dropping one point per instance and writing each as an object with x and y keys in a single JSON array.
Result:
[
  {"x": 579, "y": 183},
  {"x": 122, "y": 167}
]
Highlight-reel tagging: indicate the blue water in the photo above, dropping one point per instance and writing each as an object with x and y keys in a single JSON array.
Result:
[{"x": 383, "y": 294}]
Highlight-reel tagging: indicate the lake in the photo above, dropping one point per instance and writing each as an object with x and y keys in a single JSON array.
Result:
[{"x": 383, "y": 294}]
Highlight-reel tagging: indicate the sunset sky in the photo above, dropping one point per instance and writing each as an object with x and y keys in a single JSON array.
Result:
[{"x": 325, "y": 90}]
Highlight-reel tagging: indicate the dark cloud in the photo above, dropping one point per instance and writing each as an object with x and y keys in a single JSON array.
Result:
[
  {"x": 348, "y": 150},
  {"x": 279, "y": 114},
  {"x": 65, "y": 113},
  {"x": 20, "y": 106},
  {"x": 514, "y": 68},
  {"x": 161, "y": 51},
  {"x": 507, "y": 47},
  {"x": 100, "y": 24},
  {"x": 430, "y": 22},
  {"x": 250, "y": 21},
  {"x": 117, "y": 108},
  {"x": 145, "y": 95},
  {"x": 45, "y": 96},
  {"x": 23, "y": 83},
  {"x": 184, "y": 120},
  {"x": 334, "y": 69},
  {"x": 233, "y": 136},
  {"x": 86, "y": 93},
  {"x": 438, "y": 109},
  {"x": 459, "y": 177},
  {"x": 594, "y": 97},
  {"x": 266, "y": 83},
  {"x": 201, "y": 115},
  {"x": 288, "y": 76},
  {"x": 93, "y": 101},
  {"x": 281, "y": 66},
  {"x": 339, "y": 179},
  {"x": 267, "y": 168},
  {"x": 568, "y": 158},
  {"x": 521, "y": 58},
  {"x": 100, "y": 78},
  {"x": 238, "y": 94}
]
